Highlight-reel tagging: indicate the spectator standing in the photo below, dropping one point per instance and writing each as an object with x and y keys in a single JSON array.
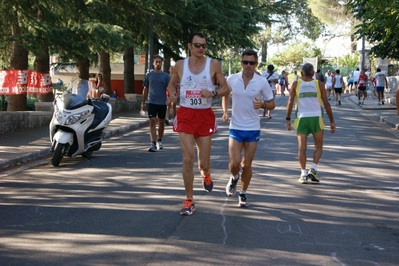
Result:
[
  {"x": 250, "y": 92},
  {"x": 154, "y": 101},
  {"x": 309, "y": 119},
  {"x": 195, "y": 121}
]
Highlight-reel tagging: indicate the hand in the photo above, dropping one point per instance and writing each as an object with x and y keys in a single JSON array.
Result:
[
  {"x": 258, "y": 104},
  {"x": 206, "y": 94},
  {"x": 332, "y": 127},
  {"x": 225, "y": 117},
  {"x": 171, "y": 100},
  {"x": 143, "y": 107},
  {"x": 288, "y": 125}
]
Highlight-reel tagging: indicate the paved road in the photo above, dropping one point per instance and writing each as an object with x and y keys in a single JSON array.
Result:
[{"x": 122, "y": 207}]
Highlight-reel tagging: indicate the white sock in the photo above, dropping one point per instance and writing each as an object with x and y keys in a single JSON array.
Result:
[
  {"x": 304, "y": 172},
  {"x": 243, "y": 192},
  {"x": 314, "y": 166}
]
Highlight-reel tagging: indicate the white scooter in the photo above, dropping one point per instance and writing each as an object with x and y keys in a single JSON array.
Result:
[{"x": 78, "y": 123}]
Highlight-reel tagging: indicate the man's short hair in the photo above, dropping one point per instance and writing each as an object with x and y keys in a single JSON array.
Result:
[
  {"x": 308, "y": 70},
  {"x": 270, "y": 67},
  {"x": 250, "y": 52},
  {"x": 191, "y": 37},
  {"x": 158, "y": 56},
  {"x": 378, "y": 69}
]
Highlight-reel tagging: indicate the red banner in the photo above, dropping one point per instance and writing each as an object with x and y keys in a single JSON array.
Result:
[{"x": 25, "y": 82}]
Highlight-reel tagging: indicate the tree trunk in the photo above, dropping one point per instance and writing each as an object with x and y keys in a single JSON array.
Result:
[
  {"x": 41, "y": 65},
  {"x": 83, "y": 66},
  {"x": 19, "y": 61},
  {"x": 128, "y": 72},
  {"x": 105, "y": 69},
  {"x": 264, "y": 51}
]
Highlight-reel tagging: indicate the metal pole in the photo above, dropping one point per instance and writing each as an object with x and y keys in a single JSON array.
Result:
[
  {"x": 363, "y": 53},
  {"x": 150, "y": 66}
]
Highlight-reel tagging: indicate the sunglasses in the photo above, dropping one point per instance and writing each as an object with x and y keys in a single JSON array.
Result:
[
  {"x": 199, "y": 45},
  {"x": 245, "y": 62}
]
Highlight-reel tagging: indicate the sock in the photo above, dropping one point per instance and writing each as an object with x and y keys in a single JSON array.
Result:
[
  {"x": 235, "y": 177},
  {"x": 153, "y": 142},
  {"x": 243, "y": 192},
  {"x": 159, "y": 140},
  {"x": 314, "y": 166},
  {"x": 304, "y": 172}
]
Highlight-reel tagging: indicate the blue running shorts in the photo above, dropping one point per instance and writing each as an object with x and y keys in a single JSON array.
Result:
[{"x": 244, "y": 135}]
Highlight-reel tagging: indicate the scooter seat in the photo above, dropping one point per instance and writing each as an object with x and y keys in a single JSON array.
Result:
[{"x": 100, "y": 112}]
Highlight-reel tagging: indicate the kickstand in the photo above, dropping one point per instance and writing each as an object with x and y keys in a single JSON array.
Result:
[{"x": 88, "y": 156}]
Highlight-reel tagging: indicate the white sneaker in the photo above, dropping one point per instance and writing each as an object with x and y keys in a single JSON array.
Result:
[
  {"x": 303, "y": 179},
  {"x": 152, "y": 148},
  {"x": 160, "y": 146},
  {"x": 231, "y": 186}
]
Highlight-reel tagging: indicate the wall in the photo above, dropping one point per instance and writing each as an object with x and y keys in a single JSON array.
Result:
[{"x": 25, "y": 120}]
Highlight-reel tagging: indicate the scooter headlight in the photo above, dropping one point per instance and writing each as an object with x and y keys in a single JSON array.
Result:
[
  {"x": 72, "y": 119},
  {"x": 58, "y": 115}
]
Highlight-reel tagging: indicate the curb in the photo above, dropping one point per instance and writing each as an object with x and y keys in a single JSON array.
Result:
[{"x": 46, "y": 152}]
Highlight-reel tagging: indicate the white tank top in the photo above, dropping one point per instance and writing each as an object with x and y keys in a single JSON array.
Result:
[
  {"x": 337, "y": 82},
  {"x": 192, "y": 84}
]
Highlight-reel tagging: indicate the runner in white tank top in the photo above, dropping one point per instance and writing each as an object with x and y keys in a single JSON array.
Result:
[{"x": 192, "y": 84}]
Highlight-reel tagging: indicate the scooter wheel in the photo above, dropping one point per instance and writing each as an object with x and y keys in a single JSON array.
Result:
[{"x": 57, "y": 154}]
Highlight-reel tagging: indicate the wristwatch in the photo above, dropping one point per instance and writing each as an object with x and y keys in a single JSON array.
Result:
[{"x": 215, "y": 93}]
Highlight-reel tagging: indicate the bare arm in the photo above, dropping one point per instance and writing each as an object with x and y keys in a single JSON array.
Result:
[
  {"x": 290, "y": 105},
  {"x": 224, "y": 89},
  {"x": 225, "y": 105},
  {"x": 145, "y": 95},
  {"x": 174, "y": 79}
]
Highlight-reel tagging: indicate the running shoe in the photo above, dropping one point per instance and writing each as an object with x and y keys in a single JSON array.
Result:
[
  {"x": 303, "y": 179},
  {"x": 160, "y": 146},
  {"x": 152, "y": 148},
  {"x": 312, "y": 175},
  {"x": 339, "y": 102},
  {"x": 167, "y": 122},
  {"x": 207, "y": 183},
  {"x": 382, "y": 102},
  {"x": 242, "y": 200},
  {"x": 231, "y": 187},
  {"x": 188, "y": 207}
]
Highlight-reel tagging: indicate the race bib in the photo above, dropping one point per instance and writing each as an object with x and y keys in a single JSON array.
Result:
[{"x": 193, "y": 98}]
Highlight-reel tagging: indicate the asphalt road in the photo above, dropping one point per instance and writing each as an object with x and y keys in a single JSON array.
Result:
[{"x": 122, "y": 208}]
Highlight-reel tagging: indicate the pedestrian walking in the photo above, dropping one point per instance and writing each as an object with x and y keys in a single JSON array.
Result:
[
  {"x": 309, "y": 97},
  {"x": 154, "y": 101},
  {"x": 195, "y": 120},
  {"x": 272, "y": 77},
  {"x": 381, "y": 84},
  {"x": 250, "y": 92},
  {"x": 338, "y": 85}
]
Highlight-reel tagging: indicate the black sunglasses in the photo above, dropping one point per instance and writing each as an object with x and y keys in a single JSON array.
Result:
[
  {"x": 245, "y": 62},
  {"x": 199, "y": 45}
]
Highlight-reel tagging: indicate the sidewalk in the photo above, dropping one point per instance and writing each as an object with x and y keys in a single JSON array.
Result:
[
  {"x": 23, "y": 146},
  {"x": 386, "y": 113}
]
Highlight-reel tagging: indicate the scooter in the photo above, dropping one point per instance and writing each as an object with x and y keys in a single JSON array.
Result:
[{"x": 77, "y": 125}]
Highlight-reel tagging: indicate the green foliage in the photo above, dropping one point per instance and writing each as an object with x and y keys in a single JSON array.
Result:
[
  {"x": 292, "y": 57},
  {"x": 378, "y": 22}
]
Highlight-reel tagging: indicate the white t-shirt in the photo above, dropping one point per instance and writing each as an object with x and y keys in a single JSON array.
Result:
[
  {"x": 356, "y": 74},
  {"x": 273, "y": 76},
  {"x": 380, "y": 79},
  {"x": 244, "y": 116}
]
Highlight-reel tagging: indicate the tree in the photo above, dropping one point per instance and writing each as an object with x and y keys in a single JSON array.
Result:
[{"x": 378, "y": 22}]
